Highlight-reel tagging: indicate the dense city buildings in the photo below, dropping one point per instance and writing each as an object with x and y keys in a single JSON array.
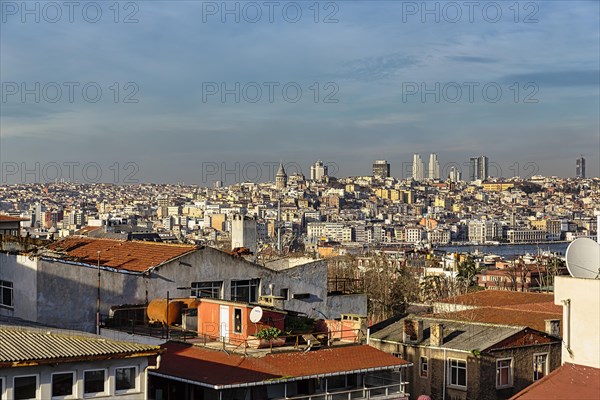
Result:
[{"x": 381, "y": 169}]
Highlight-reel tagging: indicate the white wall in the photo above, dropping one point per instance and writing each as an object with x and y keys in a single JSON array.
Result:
[
  {"x": 581, "y": 332},
  {"x": 21, "y": 271}
]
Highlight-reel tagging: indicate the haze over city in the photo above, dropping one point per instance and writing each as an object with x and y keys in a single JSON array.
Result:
[{"x": 345, "y": 82}]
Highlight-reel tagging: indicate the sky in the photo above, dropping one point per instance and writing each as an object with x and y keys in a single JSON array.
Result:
[{"x": 192, "y": 91}]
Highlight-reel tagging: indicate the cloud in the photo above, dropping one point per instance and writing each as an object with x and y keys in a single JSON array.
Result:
[
  {"x": 558, "y": 78},
  {"x": 376, "y": 68}
]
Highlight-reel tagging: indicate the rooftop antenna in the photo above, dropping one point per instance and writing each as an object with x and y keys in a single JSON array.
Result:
[{"x": 583, "y": 259}]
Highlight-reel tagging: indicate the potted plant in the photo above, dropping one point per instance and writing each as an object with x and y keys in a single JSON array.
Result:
[{"x": 266, "y": 337}]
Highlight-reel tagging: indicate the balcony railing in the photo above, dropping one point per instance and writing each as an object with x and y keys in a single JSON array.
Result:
[{"x": 394, "y": 391}]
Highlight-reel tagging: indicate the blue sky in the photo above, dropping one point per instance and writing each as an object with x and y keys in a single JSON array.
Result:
[{"x": 376, "y": 60}]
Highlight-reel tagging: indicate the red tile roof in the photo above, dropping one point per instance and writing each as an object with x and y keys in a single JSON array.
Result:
[
  {"x": 496, "y": 298},
  {"x": 216, "y": 368},
  {"x": 135, "y": 256},
  {"x": 570, "y": 381}
]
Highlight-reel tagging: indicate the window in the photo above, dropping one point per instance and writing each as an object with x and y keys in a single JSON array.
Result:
[
  {"x": 458, "y": 373},
  {"x": 504, "y": 377},
  {"x": 540, "y": 366},
  {"x": 25, "y": 387},
  {"x": 1, "y": 388},
  {"x": 285, "y": 293},
  {"x": 6, "y": 294},
  {"x": 245, "y": 290},
  {"x": 423, "y": 367},
  {"x": 94, "y": 382},
  {"x": 62, "y": 384},
  {"x": 125, "y": 379},
  {"x": 237, "y": 320},
  {"x": 211, "y": 290}
]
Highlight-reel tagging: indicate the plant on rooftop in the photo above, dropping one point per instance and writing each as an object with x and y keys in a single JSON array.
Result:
[{"x": 269, "y": 333}]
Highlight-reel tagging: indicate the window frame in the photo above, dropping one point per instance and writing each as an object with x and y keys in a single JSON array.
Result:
[
  {"x": 37, "y": 384},
  {"x": 196, "y": 290},
  {"x": 3, "y": 287},
  {"x": 510, "y": 368},
  {"x": 421, "y": 364},
  {"x": 73, "y": 394},
  {"x": 105, "y": 392},
  {"x": 285, "y": 293},
  {"x": 136, "y": 385},
  {"x": 252, "y": 294},
  {"x": 457, "y": 367},
  {"x": 546, "y": 367}
]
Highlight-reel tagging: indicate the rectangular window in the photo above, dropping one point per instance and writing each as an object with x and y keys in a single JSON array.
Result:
[
  {"x": 285, "y": 293},
  {"x": 25, "y": 387},
  {"x": 94, "y": 382},
  {"x": 62, "y": 384},
  {"x": 423, "y": 367},
  {"x": 504, "y": 377},
  {"x": 245, "y": 291},
  {"x": 125, "y": 379},
  {"x": 540, "y": 366},
  {"x": 211, "y": 290},
  {"x": 6, "y": 294},
  {"x": 237, "y": 320},
  {"x": 458, "y": 373}
]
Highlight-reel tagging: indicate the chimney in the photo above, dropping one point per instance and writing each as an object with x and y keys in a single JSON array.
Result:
[
  {"x": 412, "y": 330},
  {"x": 553, "y": 327},
  {"x": 436, "y": 334}
]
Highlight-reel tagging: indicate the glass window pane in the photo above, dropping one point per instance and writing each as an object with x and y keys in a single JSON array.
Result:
[
  {"x": 25, "y": 387},
  {"x": 62, "y": 384},
  {"x": 93, "y": 381},
  {"x": 125, "y": 378}
]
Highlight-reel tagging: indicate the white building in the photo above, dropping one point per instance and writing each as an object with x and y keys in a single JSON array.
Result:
[
  {"x": 433, "y": 171},
  {"x": 243, "y": 232},
  {"x": 418, "y": 172},
  {"x": 318, "y": 171}
]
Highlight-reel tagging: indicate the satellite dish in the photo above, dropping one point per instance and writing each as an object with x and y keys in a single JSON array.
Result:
[
  {"x": 583, "y": 258},
  {"x": 256, "y": 314}
]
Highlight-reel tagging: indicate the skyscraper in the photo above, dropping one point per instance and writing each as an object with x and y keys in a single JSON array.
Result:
[
  {"x": 433, "y": 170},
  {"x": 381, "y": 169},
  {"x": 418, "y": 172},
  {"x": 478, "y": 169},
  {"x": 580, "y": 167},
  {"x": 318, "y": 171},
  {"x": 454, "y": 175}
]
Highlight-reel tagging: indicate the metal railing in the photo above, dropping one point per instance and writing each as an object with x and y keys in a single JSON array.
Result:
[{"x": 377, "y": 392}]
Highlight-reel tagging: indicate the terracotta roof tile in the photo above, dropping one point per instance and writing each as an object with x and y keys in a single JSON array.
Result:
[
  {"x": 135, "y": 256},
  {"x": 570, "y": 381},
  {"x": 219, "y": 369},
  {"x": 497, "y": 298},
  {"x": 9, "y": 218}
]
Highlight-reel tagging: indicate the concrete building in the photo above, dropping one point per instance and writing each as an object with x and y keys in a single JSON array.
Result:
[
  {"x": 39, "y": 363},
  {"x": 580, "y": 167},
  {"x": 478, "y": 168},
  {"x": 318, "y": 171},
  {"x": 60, "y": 285},
  {"x": 454, "y": 175},
  {"x": 433, "y": 170},
  {"x": 418, "y": 171},
  {"x": 381, "y": 169},
  {"x": 243, "y": 232},
  {"x": 482, "y": 231}
]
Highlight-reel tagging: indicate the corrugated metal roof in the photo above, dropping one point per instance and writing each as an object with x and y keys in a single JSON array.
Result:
[
  {"x": 22, "y": 346},
  {"x": 458, "y": 335}
]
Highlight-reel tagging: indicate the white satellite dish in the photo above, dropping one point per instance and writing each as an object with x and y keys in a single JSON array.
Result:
[
  {"x": 256, "y": 314},
  {"x": 583, "y": 258}
]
